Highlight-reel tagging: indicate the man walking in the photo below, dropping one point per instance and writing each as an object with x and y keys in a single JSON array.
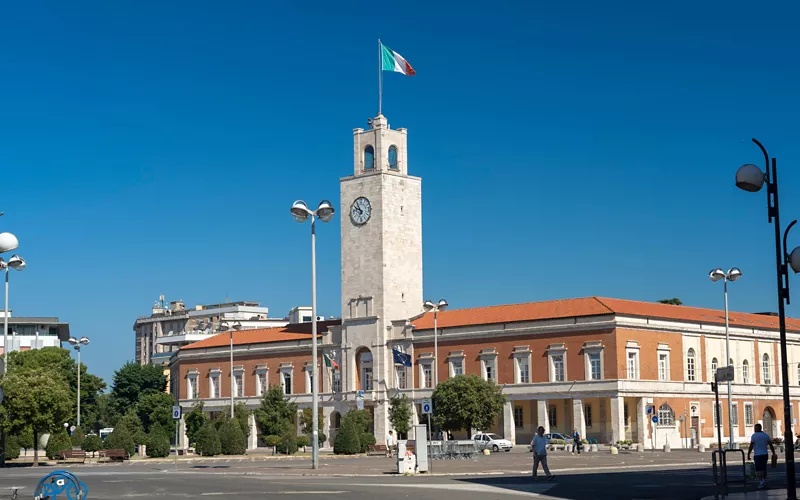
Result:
[
  {"x": 539, "y": 445},
  {"x": 389, "y": 443},
  {"x": 759, "y": 441},
  {"x": 576, "y": 441}
]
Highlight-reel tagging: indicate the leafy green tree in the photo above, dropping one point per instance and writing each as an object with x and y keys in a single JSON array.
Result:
[
  {"x": 207, "y": 441},
  {"x": 307, "y": 418},
  {"x": 360, "y": 418},
  {"x": 121, "y": 438},
  {"x": 674, "y": 301},
  {"x": 155, "y": 408},
  {"x": 400, "y": 414},
  {"x": 131, "y": 423},
  {"x": 274, "y": 412},
  {"x": 467, "y": 402},
  {"x": 25, "y": 437},
  {"x": 132, "y": 381},
  {"x": 347, "y": 438},
  {"x": 303, "y": 441},
  {"x": 242, "y": 415},
  {"x": 157, "y": 442},
  {"x": 77, "y": 437},
  {"x": 37, "y": 399},
  {"x": 194, "y": 421},
  {"x": 232, "y": 438},
  {"x": 58, "y": 441},
  {"x": 272, "y": 441},
  {"x": 288, "y": 442},
  {"x": 12, "y": 447},
  {"x": 91, "y": 443},
  {"x": 103, "y": 415}
]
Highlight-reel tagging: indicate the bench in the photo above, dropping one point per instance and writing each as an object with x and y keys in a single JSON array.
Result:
[
  {"x": 119, "y": 454},
  {"x": 377, "y": 450},
  {"x": 76, "y": 456}
]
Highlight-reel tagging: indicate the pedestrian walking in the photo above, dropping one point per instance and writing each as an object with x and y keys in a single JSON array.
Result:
[
  {"x": 539, "y": 445},
  {"x": 576, "y": 441},
  {"x": 389, "y": 443},
  {"x": 759, "y": 442}
]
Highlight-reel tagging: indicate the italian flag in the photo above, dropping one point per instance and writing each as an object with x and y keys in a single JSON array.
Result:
[
  {"x": 330, "y": 362},
  {"x": 392, "y": 61}
]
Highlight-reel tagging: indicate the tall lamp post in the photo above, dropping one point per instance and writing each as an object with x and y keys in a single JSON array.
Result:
[
  {"x": 733, "y": 274},
  {"x": 751, "y": 178},
  {"x": 77, "y": 344},
  {"x": 18, "y": 264},
  {"x": 440, "y": 306},
  {"x": 231, "y": 328},
  {"x": 302, "y": 213}
]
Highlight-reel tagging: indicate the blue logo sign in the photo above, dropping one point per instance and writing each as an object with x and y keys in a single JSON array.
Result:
[
  {"x": 655, "y": 419},
  {"x": 60, "y": 483}
]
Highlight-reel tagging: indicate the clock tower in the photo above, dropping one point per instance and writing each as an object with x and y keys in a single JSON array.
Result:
[{"x": 381, "y": 223}]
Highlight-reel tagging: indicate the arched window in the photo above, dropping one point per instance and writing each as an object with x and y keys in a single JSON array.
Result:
[
  {"x": 713, "y": 368},
  {"x": 369, "y": 157},
  {"x": 765, "y": 369},
  {"x": 365, "y": 363},
  {"x": 690, "y": 365},
  {"x": 665, "y": 415},
  {"x": 393, "y": 157},
  {"x": 745, "y": 372}
]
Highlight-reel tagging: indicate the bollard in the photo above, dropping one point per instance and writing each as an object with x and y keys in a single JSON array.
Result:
[
  {"x": 701, "y": 448},
  {"x": 486, "y": 451},
  {"x": 594, "y": 448},
  {"x": 667, "y": 449},
  {"x": 614, "y": 450}
]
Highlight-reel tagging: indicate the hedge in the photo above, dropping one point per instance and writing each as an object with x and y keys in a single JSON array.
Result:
[{"x": 207, "y": 441}]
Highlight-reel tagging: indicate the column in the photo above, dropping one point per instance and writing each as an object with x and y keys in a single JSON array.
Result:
[
  {"x": 327, "y": 411},
  {"x": 183, "y": 440},
  {"x": 509, "y": 426},
  {"x": 617, "y": 419},
  {"x": 541, "y": 414},
  {"x": 381, "y": 423},
  {"x": 252, "y": 439},
  {"x": 578, "y": 418},
  {"x": 414, "y": 419},
  {"x": 641, "y": 422}
]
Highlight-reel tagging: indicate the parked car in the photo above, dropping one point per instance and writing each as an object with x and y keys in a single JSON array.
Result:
[
  {"x": 491, "y": 441},
  {"x": 554, "y": 435}
]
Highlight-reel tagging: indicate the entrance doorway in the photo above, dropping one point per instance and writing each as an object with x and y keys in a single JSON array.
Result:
[{"x": 768, "y": 420}]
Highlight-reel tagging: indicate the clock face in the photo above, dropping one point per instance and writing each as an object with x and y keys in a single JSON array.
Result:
[{"x": 360, "y": 211}]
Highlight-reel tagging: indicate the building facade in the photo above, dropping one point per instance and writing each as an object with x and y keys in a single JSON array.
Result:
[
  {"x": 600, "y": 365},
  {"x": 33, "y": 333}
]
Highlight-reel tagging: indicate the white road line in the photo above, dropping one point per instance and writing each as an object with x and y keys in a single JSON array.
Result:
[{"x": 478, "y": 488}]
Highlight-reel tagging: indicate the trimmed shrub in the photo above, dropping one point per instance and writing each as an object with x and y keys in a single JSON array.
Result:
[
  {"x": 322, "y": 438},
  {"x": 12, "y": 447},
  {"x": 347, "y": 440},
  {"x": 288, "y": 443},
  {"x": 57, "y": 442},
  {"x": 303, "y": 441},
  {"x": 207, "y": 441},
  {"x": 365, "y": 440},
  {"x": 120, "y": 439},
  {"x": 273, "y": 441},
  {"x": 91, "y": 443},
  {"x": 232, "y": 438},
  {"x": 77, "y": 437},
  {"x": 157, "y": 442}
]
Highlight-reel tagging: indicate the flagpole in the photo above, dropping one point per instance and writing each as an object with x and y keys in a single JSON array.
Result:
[{"x": 380, "y": 79}]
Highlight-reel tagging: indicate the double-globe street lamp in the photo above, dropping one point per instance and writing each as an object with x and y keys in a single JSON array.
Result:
[
  {"x": 751, "y": 178},
  {"x": 16, "y": 263},
  {"x": 429, "y": 306},
  {"x": 77, "y": 344},
  {"x": 302, "y": 213},
  {"x": 733, "y": 274}
]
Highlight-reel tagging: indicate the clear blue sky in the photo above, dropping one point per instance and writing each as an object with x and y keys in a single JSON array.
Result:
[{"x": 566, "y": 149}]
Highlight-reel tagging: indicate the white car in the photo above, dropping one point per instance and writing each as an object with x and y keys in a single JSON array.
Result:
[{"x": 492, "y": 442}]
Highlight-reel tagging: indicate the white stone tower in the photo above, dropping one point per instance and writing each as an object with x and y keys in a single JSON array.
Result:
[{"x": 381, "y": 221}]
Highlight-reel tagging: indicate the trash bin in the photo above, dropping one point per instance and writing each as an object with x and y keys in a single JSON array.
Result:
[{"x": 406, "y": 460}]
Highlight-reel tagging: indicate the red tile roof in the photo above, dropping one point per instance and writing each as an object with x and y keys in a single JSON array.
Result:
[
  {"x": 595, "y": 306},
  {"x": 295, "y": 331}
]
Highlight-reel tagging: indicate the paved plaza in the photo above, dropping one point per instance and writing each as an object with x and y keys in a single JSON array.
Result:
[{"x": 680, "y": 474}]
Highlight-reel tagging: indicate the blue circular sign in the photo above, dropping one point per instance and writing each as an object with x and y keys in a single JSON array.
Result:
[{"x": 655, "y": 419}]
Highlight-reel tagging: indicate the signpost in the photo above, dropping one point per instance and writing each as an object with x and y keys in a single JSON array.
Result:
[
  {"x": 360, "y": 400},
  {"x": 176, "y": 416},
  {"x": 654, "y": 419},
  {"x": 725, "y": 374},
  {"x": 427, "y": 409}
]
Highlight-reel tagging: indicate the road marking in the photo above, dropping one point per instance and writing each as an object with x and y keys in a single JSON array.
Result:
[
  {"x": 479, "y": 488},
  {"x": 309, "y": 492}
]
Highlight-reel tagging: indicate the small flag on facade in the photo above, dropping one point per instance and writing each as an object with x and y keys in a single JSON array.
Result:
[
  {"x": 401, "y": 358},
  {"x": 330, "y": 362}
]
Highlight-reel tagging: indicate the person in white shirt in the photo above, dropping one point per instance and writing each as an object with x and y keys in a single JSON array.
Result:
[
  {"x": 389, "y": 443},
  {"x": 759, "y": 441},
  {"x": 539, "y": 445}
]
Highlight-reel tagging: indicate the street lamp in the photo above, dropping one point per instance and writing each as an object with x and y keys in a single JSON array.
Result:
[
  {"x": 231, "y": 328},
  {"x": 750, "y": 178},
  {"x": 18, "y": 264},
  {"x": 302, "y": 213},
  {"x": 77, "y": 344},
  {"x": 440, "y": 306},
  {"x": 715, "y": 275}
]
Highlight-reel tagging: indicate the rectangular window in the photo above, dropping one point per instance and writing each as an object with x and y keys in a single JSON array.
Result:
[
  {"x": 524, "y": 370},
  {"x": 748, "y": 414},
  {"x": 633, "y": 362},
  {"x": 401, "y": 377},
  {"x": 488, "y": 366},
  {"x": 215, "y": 386},
  {"x": 337, "y": 381},
  {"x": 662, "y": 366},
  {"x": 551, "y": 416},
  {"x": 735, "y": 414},
  {"x": 427, "y": 376},
  {"x": 587, "y": 415},
  {"x": 518, "y": 417},
  {"x": 192, "y": 388},
  {"x": 690, "y": 366},
  {"x": 287, "y": 382},
  {"x": 262, "y": 383},
  {"x": 238, "y": 384},
  {"x": 594, "y": 365},
  {"x": 558, "y": 368},
  {"x": 366, "y": 378},
  {"x": 458, "y": 367},
  {"x": 625, "y": 415}
]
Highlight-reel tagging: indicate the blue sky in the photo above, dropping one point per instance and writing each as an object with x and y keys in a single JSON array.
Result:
[{"x": 566, "y": 149}]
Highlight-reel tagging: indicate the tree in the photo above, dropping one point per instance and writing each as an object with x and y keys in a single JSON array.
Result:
[
  {"x": 306, "y": 419},
  {"x": 232, "y": 438},
  {"x": 347, "y": 439},
  {"x": 303, "y": 441},
  {"x": 400, "y": 414},
  {"x": 103, "y": 415},
  {"x": 25, "y": 437},
  {"x": 158, "y": 442},
  {"x": 77, "y": 437},
  {"x": 467, "y": 402},
  {"x": 58, "y": 441},
  {"x": 132, "y": 381},
  {"x": 155, "y": 408},
  {"x": 12, "y": 447},
  {"x": 288, "y": 442},
  {"x": 273, "y": 441},
  {"x": 242, "y": 415},
  {"x": 275, "y": 411},
  {"x": 207, "y": 442},
  {"x": 674, "y": 301},
  {"x": 132, "y": 424},
  {"x": 35, "y": 399},
  {"x": 360, "y": 418},
  {"x": 120, "y": 439},
  {"x": 91, "y": 443},
  {"x": 194, "y": 421}
]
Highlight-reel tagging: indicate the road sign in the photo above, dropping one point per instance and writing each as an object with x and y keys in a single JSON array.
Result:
[
  {"x": 655, "y": 419},
  {"x": 724, "y": 374},
  {"x": 427, "y": 406},
  {"x": 360, "y": 403},
  {"x": 176, "y": 412},
  {"x": 651, "y": 410},
  {"x": 360, "y": 395}
]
